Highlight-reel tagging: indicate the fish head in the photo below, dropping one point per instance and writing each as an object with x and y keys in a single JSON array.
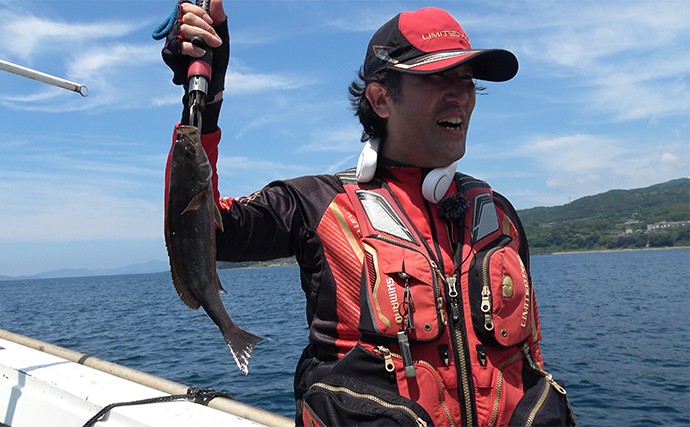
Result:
[{"x": 190, "y": 155}]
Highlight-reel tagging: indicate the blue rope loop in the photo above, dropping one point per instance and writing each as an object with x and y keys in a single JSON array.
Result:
[{"x": 164, "y": 28}]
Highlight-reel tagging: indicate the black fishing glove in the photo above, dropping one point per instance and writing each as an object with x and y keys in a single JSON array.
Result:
[
  {"x": 172, "y": 54},
  {"x": 179, "y": 64}
]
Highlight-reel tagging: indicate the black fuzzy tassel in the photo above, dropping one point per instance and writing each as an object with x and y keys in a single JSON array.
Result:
[{"x": 453, "y": 206}]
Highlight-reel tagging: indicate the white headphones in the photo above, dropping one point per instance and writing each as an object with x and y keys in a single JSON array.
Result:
[
  {"x": 435, "y": 185},
  {"x": 366, "y": 166}
]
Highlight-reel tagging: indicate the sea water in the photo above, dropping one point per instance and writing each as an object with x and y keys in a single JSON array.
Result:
[{"x": 616, "y": 329}]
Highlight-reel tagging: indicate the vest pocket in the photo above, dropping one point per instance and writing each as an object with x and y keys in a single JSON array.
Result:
[
  {"x": 500, "y": 295},
  {"x": 400, "y": 290},
  {"x": 341, "y": 400},
  {"x": 426, "y": 388},
  {"x": 545, "y": 402}
]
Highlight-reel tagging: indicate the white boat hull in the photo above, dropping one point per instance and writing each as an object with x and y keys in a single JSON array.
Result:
[{"x": 39, "y": 389}]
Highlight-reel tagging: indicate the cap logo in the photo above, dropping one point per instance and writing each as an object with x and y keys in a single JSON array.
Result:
[
  {"x": 381, "y": 53},
  {"x": 445, "y": 34}
]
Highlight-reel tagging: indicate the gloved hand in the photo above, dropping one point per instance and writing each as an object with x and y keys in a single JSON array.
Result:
[{"x": 193, "y": 21}]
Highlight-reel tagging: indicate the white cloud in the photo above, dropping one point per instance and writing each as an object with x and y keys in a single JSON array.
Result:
[
  {"x": 45, "y": 94},
  {"x": 118, "y": 75},
  {"x": 632, "y": 91},
  {"x": 582, "y": 34},
  {"x": 345, "y": 139},
  {"x": 346, "y": 162},
  {"x": 585, "y": 162},
  {"x": 119, "y": 70},
  {"x": 231, "y": 164},
  {"x": 669, "y": 158},
  {"x": 624, "y": 60},
  {"x": 65, "y": 207},
  {"x": 252, "y": 37},
  {"x": 26, "y": 35},
  {"x": 241, "y": 80},
  {"x": 121, "y": 75},
  {"x": 364, "y": 22},
  {"x": 240, "y": 175},
  {"x": 69, "y": 184},
  {"x": 241, "y": 84},
  {"x": 575, "y": 153}
]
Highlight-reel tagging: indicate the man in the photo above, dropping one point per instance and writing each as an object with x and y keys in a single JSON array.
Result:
[{"x": 419, "y": 300}]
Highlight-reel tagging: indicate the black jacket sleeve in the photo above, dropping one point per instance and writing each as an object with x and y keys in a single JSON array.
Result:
[{"x": 278, "y": 221}]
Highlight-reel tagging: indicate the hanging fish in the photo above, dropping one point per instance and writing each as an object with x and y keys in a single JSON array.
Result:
[{"x": 190, "y": 236}]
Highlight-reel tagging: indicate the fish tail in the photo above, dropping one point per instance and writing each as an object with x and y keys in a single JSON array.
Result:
[{"x": 241, "y": 344}]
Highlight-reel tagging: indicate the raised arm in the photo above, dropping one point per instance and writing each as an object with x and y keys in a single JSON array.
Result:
[{"x": 193, "y": 21}]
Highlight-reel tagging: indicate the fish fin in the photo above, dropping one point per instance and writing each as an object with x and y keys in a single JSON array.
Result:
[
  {"x": 241, "y": 344},
  {"x": 184, "y": 294},
  {"x": 180, "y": 287},
  {"x": 197, "y": 201},
  {"x": 220, "y": 287},
  {"x": 218, "y": 217}
]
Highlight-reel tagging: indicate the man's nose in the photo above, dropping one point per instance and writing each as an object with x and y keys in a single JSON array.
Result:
[{"x": 457, "y": 91}]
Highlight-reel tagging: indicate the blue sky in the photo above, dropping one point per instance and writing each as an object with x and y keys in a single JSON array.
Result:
[{"x": 601, "y": 102}]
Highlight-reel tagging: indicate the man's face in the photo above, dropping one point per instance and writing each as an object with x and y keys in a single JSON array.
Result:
[{"x": 427, "y": 125}]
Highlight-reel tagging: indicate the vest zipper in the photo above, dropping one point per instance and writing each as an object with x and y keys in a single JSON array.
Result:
[
  {"x": 461, "y": 365},
  {"x": 434, "y": 234},
  {"x": 387, "y": 355},
  {"x": 486, "y": 288},
  {"x": 499, "y": 382},
  {"x": 420, "y": 422},
  {"x": 550, "y": 383},
  {"x": 535, "y": 365},
  {"x": 538, "y": 405}
]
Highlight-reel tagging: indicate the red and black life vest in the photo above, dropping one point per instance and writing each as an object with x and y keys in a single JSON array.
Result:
[{"x": 468, "y": 333}]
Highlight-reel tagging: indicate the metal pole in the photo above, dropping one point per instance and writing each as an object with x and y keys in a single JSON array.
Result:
[{"x": 43, "y": 77}]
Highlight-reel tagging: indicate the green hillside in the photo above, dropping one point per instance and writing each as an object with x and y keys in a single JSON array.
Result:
[
  {"x": 281, "y": 262},
  {"x": 617, "y": 219}
]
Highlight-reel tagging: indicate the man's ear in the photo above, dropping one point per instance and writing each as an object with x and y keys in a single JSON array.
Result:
[{"x": 380, "y": 101}]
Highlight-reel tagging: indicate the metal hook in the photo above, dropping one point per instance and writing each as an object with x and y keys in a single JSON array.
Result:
[{"x": 195, "y": 117}]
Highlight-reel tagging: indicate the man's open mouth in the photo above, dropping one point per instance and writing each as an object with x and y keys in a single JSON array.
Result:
[{"x": 453, "y": 123}]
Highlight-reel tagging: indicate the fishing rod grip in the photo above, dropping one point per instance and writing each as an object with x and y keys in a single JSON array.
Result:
[
  {"x": 199, "y": 71},
  {"x": 204, "y": 4}
]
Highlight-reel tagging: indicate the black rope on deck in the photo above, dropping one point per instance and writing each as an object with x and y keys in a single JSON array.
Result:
[{"x": 195, "y": 394}]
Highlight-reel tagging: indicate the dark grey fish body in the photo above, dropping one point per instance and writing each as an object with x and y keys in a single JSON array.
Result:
[{"x": 190, "y": 237}]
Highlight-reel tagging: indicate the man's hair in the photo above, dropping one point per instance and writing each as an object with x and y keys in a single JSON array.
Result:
[{"x": 374, "y": 127}]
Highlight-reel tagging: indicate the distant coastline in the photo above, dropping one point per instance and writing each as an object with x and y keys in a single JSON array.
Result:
[
  {"x": 152, "y": 266},
  {"x": 157, "y": 267},
  {"x": 291, "y": 262},
  {"x": 613, "y": 250}
]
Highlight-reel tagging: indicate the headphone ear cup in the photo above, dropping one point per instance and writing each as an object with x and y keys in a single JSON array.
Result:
[
  {"x": 437, "y": 182},
  {"x": 366, "y": 166}
]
